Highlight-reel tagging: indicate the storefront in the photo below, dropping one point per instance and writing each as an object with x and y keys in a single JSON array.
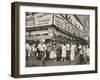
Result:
[{"x": 54, "y": 27}]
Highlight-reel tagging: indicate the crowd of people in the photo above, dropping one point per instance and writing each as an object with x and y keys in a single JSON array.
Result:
[{"x": 58, "y": 51}]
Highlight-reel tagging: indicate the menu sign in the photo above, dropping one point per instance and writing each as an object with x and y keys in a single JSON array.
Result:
[
  {"x": 60, "y": 21},
  {"x": 42, "y": 19}
]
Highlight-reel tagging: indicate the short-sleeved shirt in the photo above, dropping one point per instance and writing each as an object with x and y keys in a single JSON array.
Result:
[{"x": 42, "y": 47}]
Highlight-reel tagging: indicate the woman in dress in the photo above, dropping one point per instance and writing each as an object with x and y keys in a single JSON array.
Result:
[
  {"x": 73, "y": 50},
  {"x": 53, "y": 53},
  {"x": 63, "y": 52}
]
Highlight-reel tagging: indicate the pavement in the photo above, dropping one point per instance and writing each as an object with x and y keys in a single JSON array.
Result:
[{"x": 36, "y": 62}]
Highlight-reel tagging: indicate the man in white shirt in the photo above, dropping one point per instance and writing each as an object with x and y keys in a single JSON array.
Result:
[{"x": 42, "y": 49}]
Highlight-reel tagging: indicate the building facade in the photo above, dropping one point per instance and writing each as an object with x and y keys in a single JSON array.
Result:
[{"x": 55, "y": 27}]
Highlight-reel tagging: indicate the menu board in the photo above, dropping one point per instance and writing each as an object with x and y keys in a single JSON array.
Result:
[
  {"x": 60, "y": 21},
  {"x": 39, "y": 19},
  {"x": 42, "y": 19}
]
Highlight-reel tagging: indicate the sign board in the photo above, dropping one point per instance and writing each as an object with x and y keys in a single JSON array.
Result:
[
  {"x": 60, "y": 21},
  {"x": 42, "y": 19},
  {"x": 39, "y": 19}
]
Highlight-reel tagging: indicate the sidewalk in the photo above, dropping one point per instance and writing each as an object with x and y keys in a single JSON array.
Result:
[{"x": 34, "y": 63}]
